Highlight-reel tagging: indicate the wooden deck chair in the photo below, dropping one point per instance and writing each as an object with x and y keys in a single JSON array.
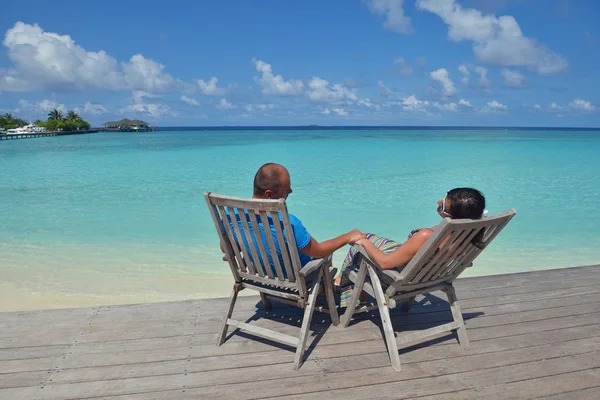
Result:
[
  {"x": 281, "y": 278},
  {"x": 441, "y": 259}
]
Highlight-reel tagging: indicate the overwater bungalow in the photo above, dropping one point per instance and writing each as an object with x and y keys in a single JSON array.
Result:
[{"x": 128, "y": 125}]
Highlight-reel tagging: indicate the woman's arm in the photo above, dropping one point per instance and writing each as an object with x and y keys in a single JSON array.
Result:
[{"x": 401, "y": 255}]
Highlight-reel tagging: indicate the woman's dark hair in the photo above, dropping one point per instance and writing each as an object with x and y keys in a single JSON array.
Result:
[{"x": 466, "y": 203}]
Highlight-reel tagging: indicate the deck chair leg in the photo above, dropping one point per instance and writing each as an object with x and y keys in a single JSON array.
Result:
[
  {"x": 461, "y": 332},
  {"x": 266, "y": 303},
  {"x": 308, "y": 313},
  {"x": 224, "y": 327},
  {"x": 335, "y": 319},
  {"x": 358, "y": 288},
  {"x": 406, "y": 306},
  {"x": 386, "y": 321}
]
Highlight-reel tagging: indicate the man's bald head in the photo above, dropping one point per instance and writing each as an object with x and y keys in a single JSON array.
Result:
[{"x": 272, "y": 181}]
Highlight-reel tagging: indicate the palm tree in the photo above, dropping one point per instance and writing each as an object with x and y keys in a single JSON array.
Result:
[
  {"x": 73, "y": 116},
  {"x": 55, "y": 115}
]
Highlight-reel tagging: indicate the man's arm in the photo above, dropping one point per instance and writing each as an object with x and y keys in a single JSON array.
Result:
[
  {"x": 321, "y": 249},
  {"x": 401, "y": 255}
]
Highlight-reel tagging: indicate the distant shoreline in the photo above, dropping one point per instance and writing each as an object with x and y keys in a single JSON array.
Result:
[{"x": 366, "y": 127}]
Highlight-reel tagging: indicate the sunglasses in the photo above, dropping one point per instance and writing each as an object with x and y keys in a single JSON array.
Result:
[{"x": 443, "y": 209}]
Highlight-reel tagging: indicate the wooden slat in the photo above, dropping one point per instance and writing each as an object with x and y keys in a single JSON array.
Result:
[
  {"x": 234, "y": 244},
  {"x": 265, "y": 333},
  {"x": 447, "y": 254},
  {"x": 271, "y": 244},
  {"x": 285, "y": 247},
  {"x": 239, "y": 243},
  {"x": 256, "y": 265},
  {"x": 261, "y": 246},
  {"x": 237, "y": 202},
  {"x": 456, "y": 259}
]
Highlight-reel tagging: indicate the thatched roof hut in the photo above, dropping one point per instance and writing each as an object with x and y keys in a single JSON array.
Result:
[{"x": 126, "y": 123}]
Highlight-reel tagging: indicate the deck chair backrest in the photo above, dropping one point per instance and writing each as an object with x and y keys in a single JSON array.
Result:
[
  {"x": 261, "y": 255},
  {"x": 451, "y": 249}
]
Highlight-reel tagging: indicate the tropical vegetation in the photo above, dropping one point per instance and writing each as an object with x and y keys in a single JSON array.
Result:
[
  {"x": 57, "y": 120},
  {"x": 8, "y": 121}
]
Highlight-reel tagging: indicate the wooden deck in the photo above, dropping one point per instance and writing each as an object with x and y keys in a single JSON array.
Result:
[{"x": 533, "y": 335}]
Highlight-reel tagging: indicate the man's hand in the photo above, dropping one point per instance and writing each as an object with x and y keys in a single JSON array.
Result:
[
  {"x": 355, "y": 235},
  {"x": 319, "y": 250}
]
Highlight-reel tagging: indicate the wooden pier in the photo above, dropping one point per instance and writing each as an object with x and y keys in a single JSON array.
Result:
[
  {"x": 533, "y": 335},
  {"x": 42, "y": 134}
]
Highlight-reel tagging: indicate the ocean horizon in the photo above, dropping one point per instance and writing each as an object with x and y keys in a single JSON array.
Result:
[
  {"x": 113, "y": 218},
  {"x": 194, "y": 128}
]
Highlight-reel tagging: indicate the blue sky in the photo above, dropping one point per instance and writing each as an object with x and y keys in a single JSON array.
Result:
[{"x": 336, "y": 62}]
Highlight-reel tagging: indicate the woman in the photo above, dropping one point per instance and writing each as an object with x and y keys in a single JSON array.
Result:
[{"x": 388, "y": 254}]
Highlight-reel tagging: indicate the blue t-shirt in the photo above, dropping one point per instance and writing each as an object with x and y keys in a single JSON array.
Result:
[{"x": 301, "y": 236}]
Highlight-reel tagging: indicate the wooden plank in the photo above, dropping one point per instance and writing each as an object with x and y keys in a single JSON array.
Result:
[
  {"x": 24, "y": 379},
  {"x": 591, "y": 393},
  {"x": 22, "y": 393},
  {"x": 252, "y": 386},
  {"x": 381, "y": 383},
  {"x": 582, "y": 384},
  {"x": 278, "y": 363}
]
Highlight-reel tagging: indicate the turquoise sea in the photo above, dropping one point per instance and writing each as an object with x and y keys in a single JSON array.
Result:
[{"x": 120, "y": 218}]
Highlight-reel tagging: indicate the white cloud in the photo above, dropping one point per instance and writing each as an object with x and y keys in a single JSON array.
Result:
[
  {"x": 319, "y": 90},
  {"x": 393, "y": 13},
  {"x": 496, "y": 106},
  {"x": 483, "y": 80},
  {"x": 579, "y": 104},
  {"x": 556, "y": 107},
  {"x": 265, "y": 107},
  {"x": 325, "y": 111},
  {"x": 513, "y": 78},
  {"x": 367, "y": 102},
  {"x": 275, "y": 84},
  {"x": 47, "y": 60},
  {"x": 537, "y": 107},
  {"x": 496, "y": 40},
  {"x": 154, "y": 110},
  {"x": 384, "y": 91},
  {"x": 190, "y": 101},
  {"x": 464, "y": 70},
  {"x": 259, "y": 107},
  {"x": 403, "y": 68},
  {"x": 411, "y": 103},
  {"x": 48, "y": 105},
  {"x": 95, "y": 109},
  {"x": 464, "y": 103},
  {"x": 224, "y": 105},
  {"x": 441, "y": 75},
  {"x": 446, "y": 107},
  {"x": 42, "y": 106},
  {"x": 340, "y": 112},
  {"x": 210, "y": 88}
]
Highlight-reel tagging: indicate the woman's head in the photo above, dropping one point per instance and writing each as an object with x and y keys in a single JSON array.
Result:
[{"x": 462, "y": 203}]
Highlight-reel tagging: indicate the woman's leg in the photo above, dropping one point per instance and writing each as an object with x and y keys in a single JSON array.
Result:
[{"x": 351, "y": 264}]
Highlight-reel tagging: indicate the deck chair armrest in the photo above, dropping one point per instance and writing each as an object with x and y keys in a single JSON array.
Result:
[
  {"x": 314, "y": 265},
  {"x": 395, "y": 275}
]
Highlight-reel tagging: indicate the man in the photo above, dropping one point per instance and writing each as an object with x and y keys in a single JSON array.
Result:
[{"x": 272, "y": 181}]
